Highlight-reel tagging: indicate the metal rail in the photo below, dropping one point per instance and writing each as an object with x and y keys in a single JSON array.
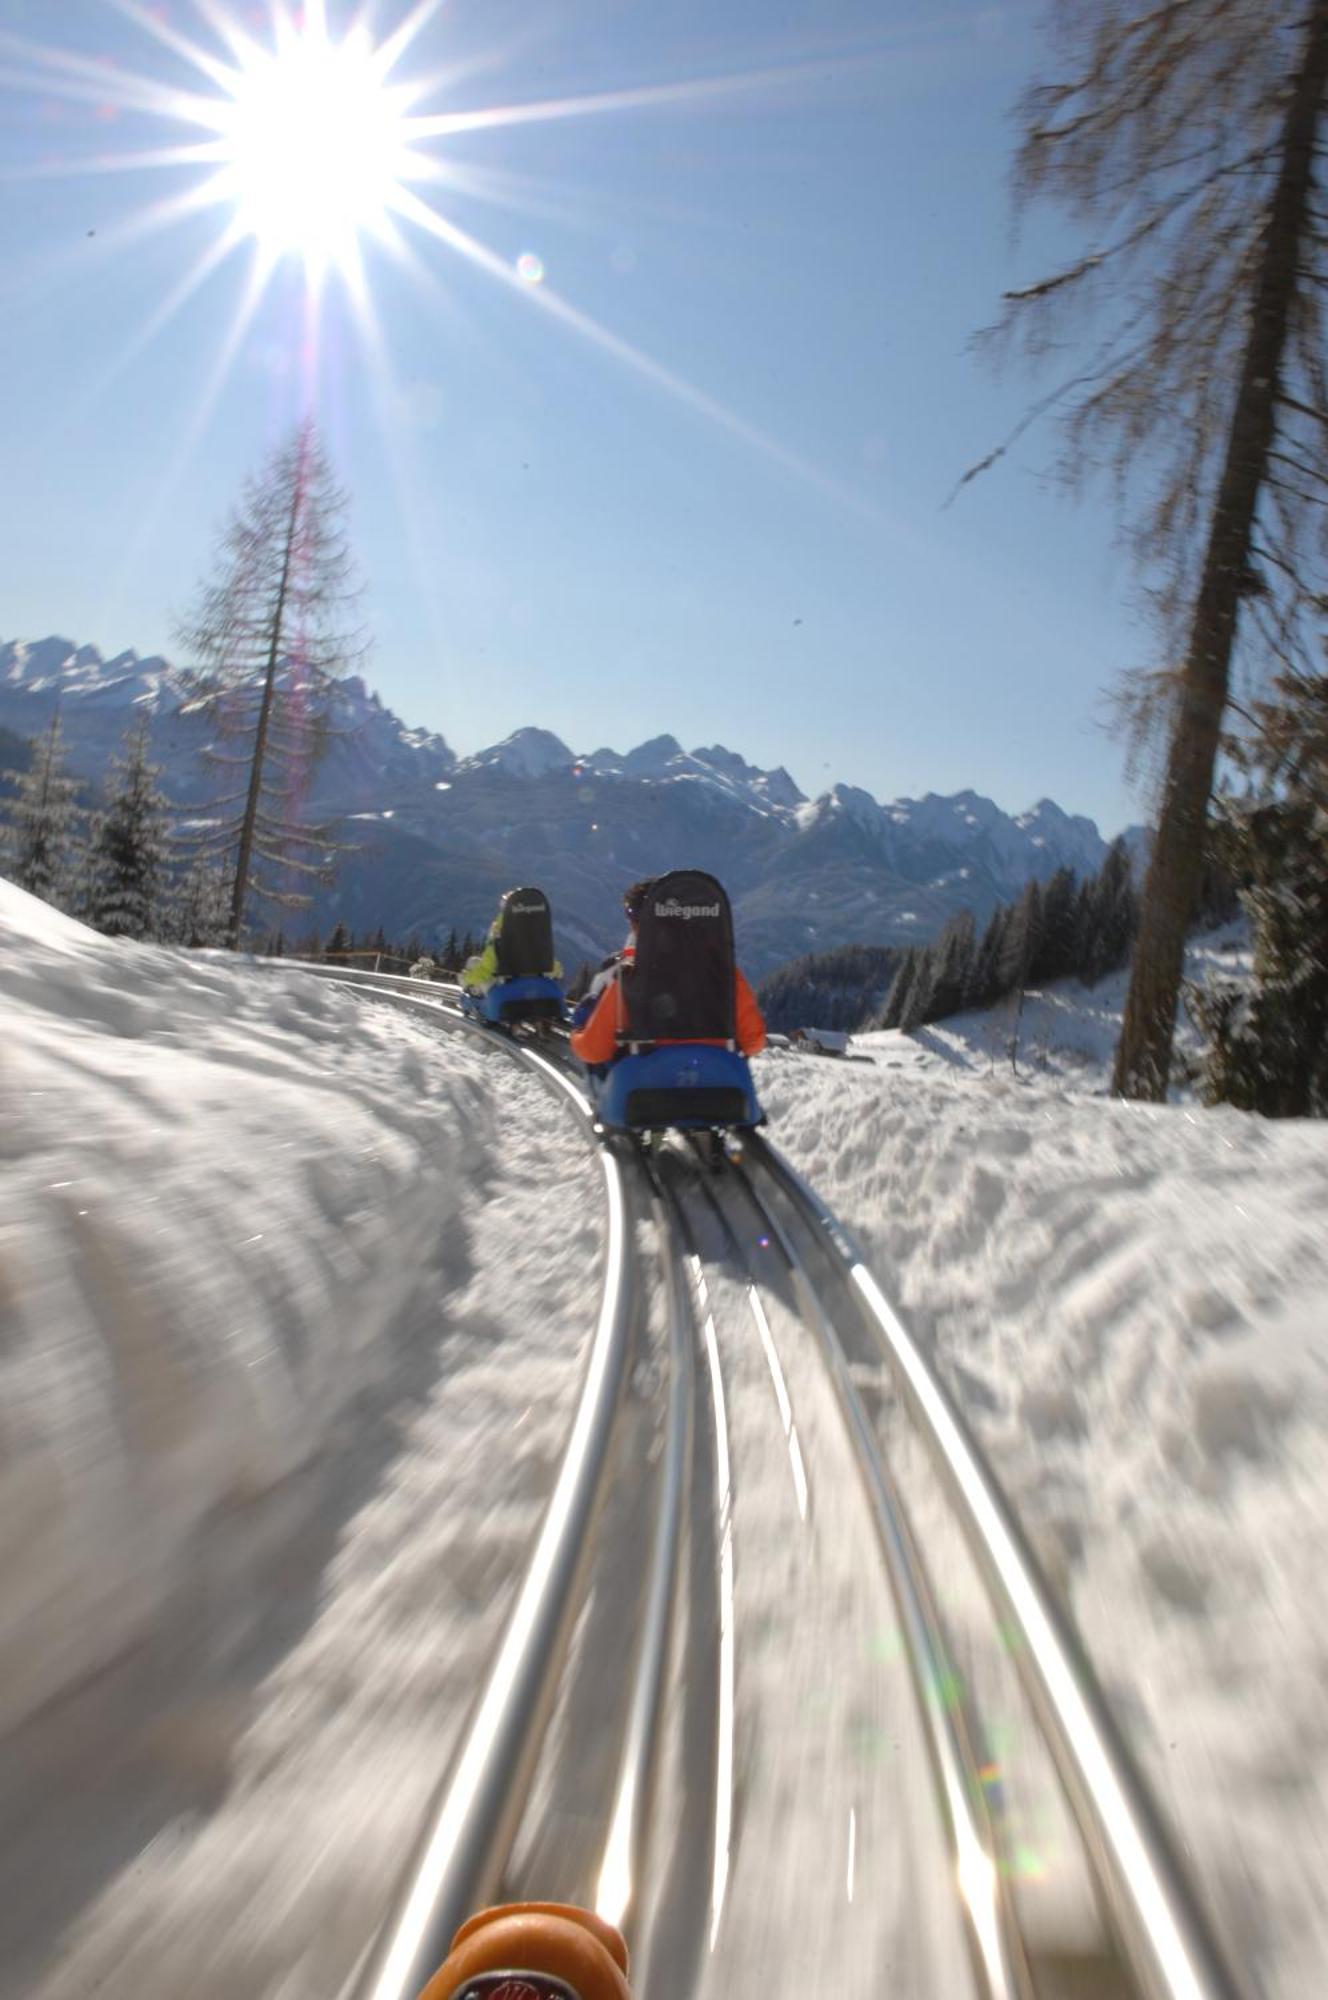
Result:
[
  {"x": 470, "y": 1825},
  {"x": 726, "y": 1690},
  {"x": 993, "y": 1933},
  {"x": 621, "y": 1867},
  {"x": 1163, "y": 1930}
]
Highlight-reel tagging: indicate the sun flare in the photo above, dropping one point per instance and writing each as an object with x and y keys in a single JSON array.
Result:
[
  {"x": 314, "y": 146},
  {"x": 313, "y": 143}
]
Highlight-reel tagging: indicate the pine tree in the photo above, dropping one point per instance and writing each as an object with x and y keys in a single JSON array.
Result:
[
  {"x": 338, "y": 945},
  {"x": 1118, "y": 909},
  {"x": 267, "y": 642},
  {"x": 124, "y": 890},
  {"x": 915, "y": 1008},
  {"x": 984, "y": 986},
  {"x": 199, "y": 912},
  {"x": 1185, "y": 136},
  {"x": 1022, "y": 940},
  {"x": 1056, "y": 951},
  {"x": 38, "y": 841},
  {"x": 896, "y": 1000},
  {"x": 1268, "y": 1044},
  {"x": 955, "y": 953}
]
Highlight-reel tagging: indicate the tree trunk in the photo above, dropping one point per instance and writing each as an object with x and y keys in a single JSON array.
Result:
[
  {"x": 244, "y": 858},
  {"x": 1171, "y": 887}
]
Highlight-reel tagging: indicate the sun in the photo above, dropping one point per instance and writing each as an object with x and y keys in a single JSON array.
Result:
[{"x": 313, "y": 145}]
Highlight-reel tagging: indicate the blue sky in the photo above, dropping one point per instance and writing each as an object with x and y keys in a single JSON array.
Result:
[{"x": 745, "y": 542}]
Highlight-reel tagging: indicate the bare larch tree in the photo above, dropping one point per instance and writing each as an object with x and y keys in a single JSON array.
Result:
[
  {"x": 265, "y": 642},
  {"x": 1183, "y": 139}
]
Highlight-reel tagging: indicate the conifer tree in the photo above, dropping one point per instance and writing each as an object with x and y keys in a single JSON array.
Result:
[
  {"x": 1056, "y": 952},
  {"x": 954, "y": 954},
  {"x": 38, "y": 840},
  {"x": 1022, "y": 940},
  {"x": 124, "y": 890},
  {"x": 1117, "y": 908},
  {"x": 985, "y": 983},
  {"x": 916, "y": 1006},
  {"x": 896, "y": 1000},
  {"x": 200, "y": 908},
  {"x": 267, "y": 640},
  {"x": 1268, "y": 1041}
]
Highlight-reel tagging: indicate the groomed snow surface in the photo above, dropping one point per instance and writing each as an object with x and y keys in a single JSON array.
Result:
[
  {"x": 1132, "y": 1305},
  {"x": 293, "y": 1293},
  {"x": 293, "y": 1296}
]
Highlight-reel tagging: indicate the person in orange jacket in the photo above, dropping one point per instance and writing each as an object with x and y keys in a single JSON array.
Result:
[{"x": 596, "y": 1043}]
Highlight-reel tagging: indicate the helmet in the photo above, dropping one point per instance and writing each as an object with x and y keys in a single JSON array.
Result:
[{"x": 634, "y": 899}]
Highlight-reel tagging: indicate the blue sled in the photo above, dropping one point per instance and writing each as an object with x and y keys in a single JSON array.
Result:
[
  {"x": 681, "y": 1087},
  {"x": 509, "y": 1002}
]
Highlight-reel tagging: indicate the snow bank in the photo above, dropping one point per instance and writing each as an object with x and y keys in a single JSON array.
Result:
[
  {"x": 1132, "y": 1304},
  {"x": 201, "y": 1173},
  {"x": 268, "y": 1473}
]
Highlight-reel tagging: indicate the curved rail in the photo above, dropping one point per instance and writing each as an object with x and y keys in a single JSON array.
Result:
[
  {"x": 620, "y": 1869},
  {"x": 993, "y": 1933},
  {"x": 1163, "y": 1930},
  {"x": 470, "y": 1825}
]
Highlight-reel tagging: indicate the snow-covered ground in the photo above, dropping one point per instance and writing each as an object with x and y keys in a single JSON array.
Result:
[
  {"x": 1068, "y": 1030},
  {"x": 1132, "y": 1304},
  {"x": 292, "y": 1304},
  {"x": 274, "y": 1278}
]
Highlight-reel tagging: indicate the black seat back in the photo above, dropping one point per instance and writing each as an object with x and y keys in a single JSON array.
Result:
[
  {"x": 680, "y": 988},
  {"x": 524, "y": 946}
]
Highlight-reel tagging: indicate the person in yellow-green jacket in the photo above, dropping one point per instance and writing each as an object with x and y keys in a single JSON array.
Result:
[{"x": 519, "y": 944}]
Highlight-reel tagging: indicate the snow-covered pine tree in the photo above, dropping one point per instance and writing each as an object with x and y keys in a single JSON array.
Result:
[
  {"x": 38, "y": 836},
  {"x": 123, "y": 892}
]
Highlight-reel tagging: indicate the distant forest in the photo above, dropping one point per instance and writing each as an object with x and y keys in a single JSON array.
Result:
[{"x": 1058, "y": 929}]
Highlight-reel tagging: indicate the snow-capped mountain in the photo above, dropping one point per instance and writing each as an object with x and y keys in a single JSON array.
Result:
[
  {"x": 436, "y": 839},
  {"x": 526, "y": 753}
]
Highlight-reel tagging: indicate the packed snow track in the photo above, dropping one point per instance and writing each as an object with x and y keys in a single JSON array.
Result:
[{"x": 849, "y": 1697}]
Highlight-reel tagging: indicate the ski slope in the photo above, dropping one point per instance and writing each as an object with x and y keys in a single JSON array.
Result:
[{"x": 1132, "y": 1305}]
